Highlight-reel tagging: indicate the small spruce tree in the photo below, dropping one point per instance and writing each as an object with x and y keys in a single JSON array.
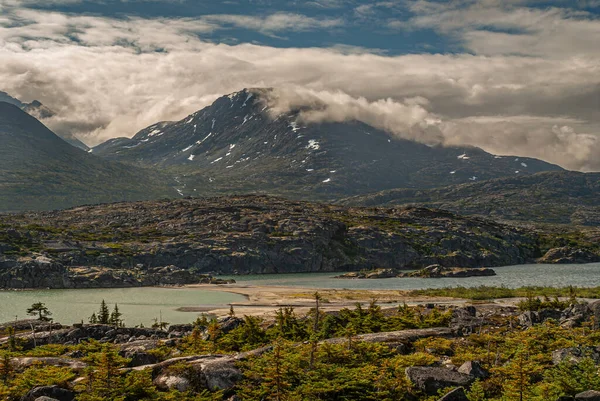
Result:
[
  {"x": 115, "y": 317},
  {"x": 93, "y": 319},
  {"x": 103, "y": 314}
]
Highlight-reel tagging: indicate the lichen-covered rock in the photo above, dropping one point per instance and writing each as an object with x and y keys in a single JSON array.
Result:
[
  {"x": 53, "y": 392},
  {"x": 575, "y": 355},
  {"x": 590, "y": 395},
  {"x": 432, "y": 379}
]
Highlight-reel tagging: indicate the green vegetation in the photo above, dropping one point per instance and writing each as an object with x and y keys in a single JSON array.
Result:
[
  {"x": 300, "y": 365},
  {"x": 40, "y": 310},
  {"x": 485, "y": 292}
]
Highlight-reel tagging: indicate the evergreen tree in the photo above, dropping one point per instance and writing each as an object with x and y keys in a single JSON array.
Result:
[
  {"x": 103, "y": 314},
  {"x": 6, "y": 369},
  {"x": 40, "y": 310},
  {"x": 115, "y": 317},
  {"x": 213, "y": 331},
  {"x": 93, "y": 319}
]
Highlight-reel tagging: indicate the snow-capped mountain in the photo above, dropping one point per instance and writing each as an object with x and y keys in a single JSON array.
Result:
[{"x": 235, "y": 145}]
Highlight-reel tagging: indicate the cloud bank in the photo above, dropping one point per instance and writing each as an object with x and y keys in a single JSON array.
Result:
[{"x": 529, "y": 87}]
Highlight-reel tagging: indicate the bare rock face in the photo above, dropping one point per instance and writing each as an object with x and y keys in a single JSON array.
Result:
[
  {"x": 432, "y": 379},
  {"x": 458, "y": 394}
]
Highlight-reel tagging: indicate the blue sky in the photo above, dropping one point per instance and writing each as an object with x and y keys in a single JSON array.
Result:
[{"x": 511, "y": 76}]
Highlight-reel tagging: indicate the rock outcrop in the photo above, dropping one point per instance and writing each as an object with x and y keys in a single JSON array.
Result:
[
  {"x": 569, "y": 255},
  {"x": 182, "y": 241},
  {"x": 438, "y": 271}
]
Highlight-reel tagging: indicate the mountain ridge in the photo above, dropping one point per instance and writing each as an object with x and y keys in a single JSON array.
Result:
[
  {"x": 566, "y": 197},
  {"x": 236, "y": 146}
]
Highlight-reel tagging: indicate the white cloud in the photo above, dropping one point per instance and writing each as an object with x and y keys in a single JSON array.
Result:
[{"x": 111, "y": 77}]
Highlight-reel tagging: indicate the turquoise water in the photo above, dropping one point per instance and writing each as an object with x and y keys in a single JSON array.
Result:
[
  {"x": 142, "y": 305},
  {"x": 587, "y": 275},
  {"x": 138, "y": 305}
]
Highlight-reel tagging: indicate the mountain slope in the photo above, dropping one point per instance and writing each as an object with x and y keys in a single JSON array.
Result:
[
  {"x": 235, "y": 146},
  {"x": 553, "y": 197},
  {"x": 41, "y": 112},
  {"x": 38, "y": 170}
]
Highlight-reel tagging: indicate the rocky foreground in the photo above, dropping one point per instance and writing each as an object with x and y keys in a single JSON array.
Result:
[
  {"x": 428, "y": 355},
  {"x": 176, "y": 242}
]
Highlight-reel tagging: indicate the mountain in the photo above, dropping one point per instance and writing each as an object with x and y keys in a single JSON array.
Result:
[
  {"x": 234, "y": 146},
  {"x": 39, "y": 170},
  {"x": 41, "y": 112},
  {"x": 554, "y": 197}
]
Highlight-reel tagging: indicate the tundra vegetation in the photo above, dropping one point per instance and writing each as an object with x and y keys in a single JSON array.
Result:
[{"x": 326, "y": 356}]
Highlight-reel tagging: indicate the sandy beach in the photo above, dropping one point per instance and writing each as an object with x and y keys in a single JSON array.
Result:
[{"x": 264, "y": 300}]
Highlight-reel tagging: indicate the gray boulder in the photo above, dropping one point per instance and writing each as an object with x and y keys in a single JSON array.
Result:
[
  {"x": 52, "y": 392},
  {"x": 458, "y": 394},
  {"x": 432, "y": 379},
  {"x": 575, "y": 355},
  {"x": 473, "y": 369},
  {"x": 221, "y": 374},
  {"x": 590, "y": 395},
  {"x": 173, "y": 382}
]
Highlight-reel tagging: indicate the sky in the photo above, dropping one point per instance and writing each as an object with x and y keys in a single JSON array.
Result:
[{"x": 518, "y": 77}]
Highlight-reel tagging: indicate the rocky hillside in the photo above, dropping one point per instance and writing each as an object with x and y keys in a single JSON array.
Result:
[
  {"x": 553, "y": 197},
  {"x": 236, "y": 146},
  {"x": 39, "y": 170},
  {"x": 247, "y": 234}
]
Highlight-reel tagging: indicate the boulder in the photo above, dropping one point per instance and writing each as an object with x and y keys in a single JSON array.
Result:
[
  {"x": 52, "y": 392},
  {"x": 173, "y": 382},
  {"x": 212, "y": 372},
  {"x": 465, "y": 321},
  {"x": 473, "y": 369},
  {"x": 458, "y": 394},
  {"x": 44, "y": 398},
  {"x": 229, "y": 323},
  {"x": 432, "y": 379},
  {"x": 575, "y": 355},
  {"x": 590, "y": 395},
  {"x": 221, "y": 374},
  {"x": 575, "y": 315}
]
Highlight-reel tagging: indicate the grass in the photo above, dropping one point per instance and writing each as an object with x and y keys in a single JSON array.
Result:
[{"x": 485, "y": 292}]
